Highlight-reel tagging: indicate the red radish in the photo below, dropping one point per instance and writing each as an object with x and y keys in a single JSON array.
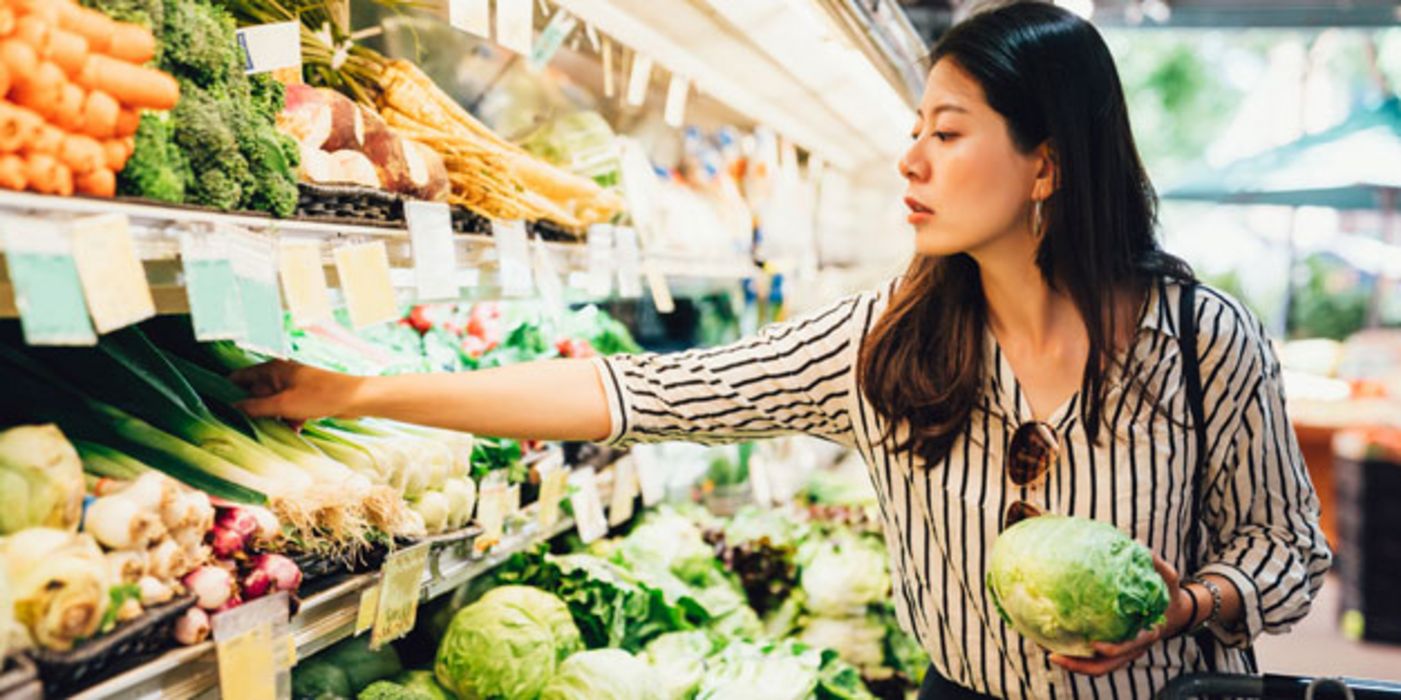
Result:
[
  {"x": 256, "y": 584},
  {"x": 233, "y": 602},
  {"x": 282, "y": 571},
  {"x": 226, "y": 542},
  {"x": 212, "y": 586},
  {"x": 268, "y": 530},
  {"x": 238, "y": 520},
  {"x": 192, "y": 627}
]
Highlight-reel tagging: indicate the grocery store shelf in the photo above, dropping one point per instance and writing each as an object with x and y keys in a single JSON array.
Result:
[{"x": 324, "y": 618}]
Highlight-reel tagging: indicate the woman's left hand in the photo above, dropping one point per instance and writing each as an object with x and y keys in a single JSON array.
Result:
[{"x": 1109, "y": 658}]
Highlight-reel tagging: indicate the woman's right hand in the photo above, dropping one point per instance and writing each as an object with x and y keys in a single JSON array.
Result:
[{"x": 296, "y": 392}]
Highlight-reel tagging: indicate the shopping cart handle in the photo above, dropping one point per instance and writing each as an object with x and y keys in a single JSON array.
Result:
[{"x": 1197, "y": 685}]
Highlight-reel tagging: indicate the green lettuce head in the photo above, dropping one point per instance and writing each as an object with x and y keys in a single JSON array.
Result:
[
  {"x": 506, "y": 645},
  {"x": 603, "y": 673},
  {"x": 1068, "y": 582}
]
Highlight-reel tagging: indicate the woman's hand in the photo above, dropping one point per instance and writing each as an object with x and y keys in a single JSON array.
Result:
[
  {"x": 296, "y": 392},
  {"x": 1109, "y": 658}
]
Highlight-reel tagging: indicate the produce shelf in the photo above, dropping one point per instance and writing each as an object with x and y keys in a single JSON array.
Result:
[{"x": 325, "y": 617}]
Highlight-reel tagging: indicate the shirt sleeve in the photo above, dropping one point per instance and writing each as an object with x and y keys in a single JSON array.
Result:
[
  {"x": 1261, "y": 508},
  {"x": 793, "y": 377}
]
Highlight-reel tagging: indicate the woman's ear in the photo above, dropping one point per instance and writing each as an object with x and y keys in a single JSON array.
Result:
[{"x": 1047, "y": 172}]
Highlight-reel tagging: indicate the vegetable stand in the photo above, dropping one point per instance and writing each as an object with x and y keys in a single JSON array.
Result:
[{"x": 1276, "y": 686}]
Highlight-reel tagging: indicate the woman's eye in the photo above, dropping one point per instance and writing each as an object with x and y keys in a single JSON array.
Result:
[{"x": 944, "y": 135}]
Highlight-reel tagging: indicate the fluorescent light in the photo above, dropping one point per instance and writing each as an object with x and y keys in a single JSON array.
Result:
[{"x": 1084, "y": 8}]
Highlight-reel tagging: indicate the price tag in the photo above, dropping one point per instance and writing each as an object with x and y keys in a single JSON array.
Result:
[
  {"x": 639, "y": 79},
  {"x": 513, "y": 499},
  {"x": 114, "y": 281},
  {"x": 759, "y": 484},
  {"x": 491, "y": 511},
  {"x": 606, "y": 52},
  {"x": 364, "y": 275},
  {"x": 651, "y": 478},
  {"x": 676, "y": 92},
  {"x": 554, "y": 482},
  {"x": 547, "y": 44},
  {"x": 251, "y": 643},
  {"x": 304, "y": 282},
  {"x": 515, "y": 24},
  {"x": 513, "y": 250},
  {"x": 629, "y": 263},
  {"x": 472, "y": 16},
  {"x": 588, "y": 507},
  {"x": 434, "y": 258},
  {"x": 369, "y": 603},
  {"x": 621, "y": 505},
  {"x": 600, "y": 250},
  {"x": 48, "y": 293},
  {"x": 548, "y": 280},
  {"x": 400, "y": 583},
  {"x": 269, "y": 47},
  {"x": 661, "y": 291},
  {"x": 211, "y": 287},
  {"x": 255, "y": 268}
]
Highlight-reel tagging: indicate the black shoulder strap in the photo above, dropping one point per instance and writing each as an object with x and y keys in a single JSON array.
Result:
[{"x": 1196, "y": 400}]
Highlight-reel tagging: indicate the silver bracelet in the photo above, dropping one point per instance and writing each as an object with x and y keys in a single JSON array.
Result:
[{"x": 1215, "y": 592}]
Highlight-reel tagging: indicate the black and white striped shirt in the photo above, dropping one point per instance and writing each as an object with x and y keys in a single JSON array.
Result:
[{"x": 1261, "y": 513}]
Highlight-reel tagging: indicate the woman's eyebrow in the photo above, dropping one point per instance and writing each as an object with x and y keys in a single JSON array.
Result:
[{"x": 941, "y": 108}]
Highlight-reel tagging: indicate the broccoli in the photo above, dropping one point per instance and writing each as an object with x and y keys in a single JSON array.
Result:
[
  {"x": 157, "y": 168},
  {"x": 147, "y": 13},
  {"x": 385, "y": 690},
  {"x": 220, "y": 173},
  {"x": 272, "y": 156},
  {"x": 199, "y": 45}
]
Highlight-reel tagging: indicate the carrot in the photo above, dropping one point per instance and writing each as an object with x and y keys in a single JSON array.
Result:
[
  {"x": 46, "y": 10},
  {"x": 18, "y": 127},
  {"x": 116, "y": 153},
  {"x": 41, "y": 91},
  {"x": 132, "y": 85},
  {"x": 12, "y": 172},
  {"x": 92, "y": 25},
  {"x": 128, "y": 121},
  {"x": 132, "y": 43},
  {"x": 7, "y": 20},
  {"x": 47, "y": 139},
  {"x": 42, "y": 171},
  {"x": 100, "y": 112},
  {"x": 83, "y": 154},
  {"x": 98, "y": 183},
  {"x": 68, "y": 50},
  {"x": 35, "y": 32},
  {"x": 4, "y": 79},
  {"x": 68, "y": 115},
  {"x": 19, "y": 57}
]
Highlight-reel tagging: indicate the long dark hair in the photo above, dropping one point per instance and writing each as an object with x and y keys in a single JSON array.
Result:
[{"x": 1051, "y": 77}]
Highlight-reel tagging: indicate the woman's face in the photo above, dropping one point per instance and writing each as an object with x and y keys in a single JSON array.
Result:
[{"x": 969, "y": 186}]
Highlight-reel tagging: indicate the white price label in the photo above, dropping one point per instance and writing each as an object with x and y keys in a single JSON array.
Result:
[
  {"x": 676, "y": 93},
  {"x": 515, "y": 25},
  {"x": 639, "y": 79},
  {"x": 491, "y": 512},
  {"x": 211, "y": 287},
  {"x": 472, "y": 16},
  {"x": 629, "y": 263},
  {"x": 610, "y": 87},
  {"x": 255, "y": 268},
  {"x": 513, "y": 251},
  {"x": 599, "y": 278},
  {"x": 651, "y": 477},
  {"x": 661, "y": 290},
  {"x": 554, "y": 482},
  {"x": 434, "y": 258},
  {"x": 114, "y": 281},
  {"x": 621, "y": 505},
  {"x": 548, "y": 280},
  {"x": 759, "y": 483},
  {"x": 304, "y": 282},
  {"x": 588, "y": 506},
  {"x": 251, "y": 644},
  {"x": 48, "y": 292},
  {"x": 269, "y": 47},
  {"x": 364, "y": 275},
  {"x": 553, "y": 36}
]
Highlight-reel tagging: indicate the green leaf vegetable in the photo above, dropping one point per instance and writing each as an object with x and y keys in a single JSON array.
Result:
[
  {"x": 602, "y": 673},
  {"x": 1067, "y": 582},
  {"x": 506, "y": 645}
]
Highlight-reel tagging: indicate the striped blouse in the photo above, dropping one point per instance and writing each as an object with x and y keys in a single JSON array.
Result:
[{"x": 1261, "y": 513}]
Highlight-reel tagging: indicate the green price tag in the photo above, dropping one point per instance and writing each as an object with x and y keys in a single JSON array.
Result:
[
  {"x": 211, "y": 287},
  {"x": 255, "y": 267},
  {"x": 48, "y": 291},
  {"x": 401, "y": 583}
]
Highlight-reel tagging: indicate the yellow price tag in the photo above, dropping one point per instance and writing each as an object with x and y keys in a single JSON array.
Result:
[
  {"x": 246, "y": 665},
  {"x": 554, "y": 481},
  {"x": 491, "y": 513},
  {"x": 588, "y": 507},
  {"x": 369, "y": 604},
  {"x": 304, "y": 282},
  {"x": 114, "y": 281},
  {"x": 401, "y": 583},
  {"x": 364, "y": 276},
  {"x": 621, "y": 505}
]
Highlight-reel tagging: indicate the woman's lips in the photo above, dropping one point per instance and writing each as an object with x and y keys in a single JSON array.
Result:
[{"x": 918, "y": 212}]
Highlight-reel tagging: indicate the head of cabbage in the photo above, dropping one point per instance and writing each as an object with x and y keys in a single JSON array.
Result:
[
  {"x": 602, "y": 673},
  {"x": 506, "y": 645},
  {"x": 1068, "y": 582}
]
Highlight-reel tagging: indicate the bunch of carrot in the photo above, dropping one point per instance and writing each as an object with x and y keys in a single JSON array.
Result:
[{"x": 72, "y": 87}]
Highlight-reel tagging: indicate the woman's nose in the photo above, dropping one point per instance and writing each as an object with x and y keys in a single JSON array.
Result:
[{"x": 912, "y": 167}]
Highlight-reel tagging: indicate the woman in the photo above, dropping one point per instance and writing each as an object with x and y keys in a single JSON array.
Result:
[{"x": 1027, "y": 362}]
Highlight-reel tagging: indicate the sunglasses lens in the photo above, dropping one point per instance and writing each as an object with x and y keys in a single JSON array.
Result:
[
  {"x": 1033, "y": 451},
  {"x": 1017, "y": 512}
]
